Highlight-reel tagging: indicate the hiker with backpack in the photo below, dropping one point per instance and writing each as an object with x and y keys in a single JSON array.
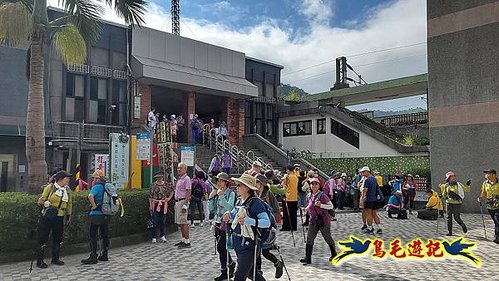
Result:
[
  {"x": 56, "y": 202},
  {"x": 97, "y": 220},
  {"x": 221, "y": 201},
  {"x": 248, "y": 224},
  {"x": 320, "y": 221},
  {"x": 158, "y": 206},
  {"x": 268, "y": 197},
  {"x": 199, "y": 189}
]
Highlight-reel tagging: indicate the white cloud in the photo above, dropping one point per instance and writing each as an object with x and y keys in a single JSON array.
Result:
[
  {"x": 319, "y": 11},
  {"x": 401, "y": 23}
]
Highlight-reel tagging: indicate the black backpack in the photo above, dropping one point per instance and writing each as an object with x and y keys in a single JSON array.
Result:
[{"x": 197, "y": 191}]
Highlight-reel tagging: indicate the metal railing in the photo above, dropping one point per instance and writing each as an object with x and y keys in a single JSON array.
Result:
[
  {"x": 405, "y": 119},
  {"x": 91, "y": 133},
  {"x": 242, "y": 160}
]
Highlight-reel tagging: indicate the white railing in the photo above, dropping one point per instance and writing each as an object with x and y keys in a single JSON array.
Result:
[{"x": 243, "y": 161}]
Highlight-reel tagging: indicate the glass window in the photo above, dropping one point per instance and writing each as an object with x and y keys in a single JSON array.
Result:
[
  {"x": 299, "y": 128},
  {"x": 321, "y": 126},
  {"x": 79, "y": 110},
  {"x": 343, "y": 132},
  {"x": 119, "y": 101},
  {"x": 70, "y": 107},
  {"x": 79, "y": 86},
  {"x": 92, "y": 111}
]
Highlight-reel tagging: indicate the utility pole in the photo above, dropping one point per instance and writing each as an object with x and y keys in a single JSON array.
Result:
[
  {"x": 175, "y": 11},
  {"x": 341, "y": 74}
]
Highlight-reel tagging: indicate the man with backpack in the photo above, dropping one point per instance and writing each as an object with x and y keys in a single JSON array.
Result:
[
  {"x": 373, "y": 200},
  {"x": 97, "y": 220},
  {"x": 268, "y": 198},
  {"x": 248, "y": 224},
  {"x": 199, "y": 189}
]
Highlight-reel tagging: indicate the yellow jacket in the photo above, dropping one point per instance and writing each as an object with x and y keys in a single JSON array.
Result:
[
  {"x": 434, "y": 202},
  {"x": 452, "y": 188},
  {"x": 491, "y": 190},
  {"x": 66, "y": 207}
]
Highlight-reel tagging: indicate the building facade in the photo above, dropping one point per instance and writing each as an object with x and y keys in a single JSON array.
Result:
[{"x": 463, "y": 66}]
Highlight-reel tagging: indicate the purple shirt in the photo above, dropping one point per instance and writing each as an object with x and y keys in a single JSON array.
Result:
[
  {"x": 313, "y": 210},
  {"x": 226, "y": 161},
  {"x": 340, "y": 184},
  {"x": 204, "y": 185},
  {"x": 183, "y": 184}
]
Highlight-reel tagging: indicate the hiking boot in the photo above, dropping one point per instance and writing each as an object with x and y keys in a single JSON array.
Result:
[
  {"x": 223, "y": 276},
  {"x": 308, "y": 254},
  {"x": 57, "y": 262},
  {"x": 41, "y": 264},
  {"x": 379, "y": 231},
  {"x": 39, "y": 258},
  {"x": 364, "y": 227},
  {"x": 278, "y": 269},
  {"x": 232, "y": 268},
  {"x": 163, "y": 239},
  {"x": 179, "y": 243},
  {"x": 332, "y": 248},
  {"x": 56, "y": 249},
  {"x": 92, "y": 259},
  {"x": 184, "y": 245},
  {"x": 103, "y": 257},
  {"x": 390, "y": 215}
]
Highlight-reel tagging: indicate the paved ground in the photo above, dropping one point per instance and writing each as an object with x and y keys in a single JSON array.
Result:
[{"x": 164, "y": 262}]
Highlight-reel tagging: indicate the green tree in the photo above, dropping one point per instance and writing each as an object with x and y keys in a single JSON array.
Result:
[
  {"x": 292, "y": 96},
  {"x": 26, "y": 22}
]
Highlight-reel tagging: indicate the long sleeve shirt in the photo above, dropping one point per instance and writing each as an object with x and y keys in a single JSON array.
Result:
[{"x": 222, "y": 204}]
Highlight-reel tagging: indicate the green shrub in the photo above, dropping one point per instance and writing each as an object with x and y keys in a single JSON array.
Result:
[{"x": 19, "y": 214}]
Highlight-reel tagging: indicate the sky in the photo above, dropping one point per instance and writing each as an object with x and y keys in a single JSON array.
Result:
[{"x": 382, "y": 39}]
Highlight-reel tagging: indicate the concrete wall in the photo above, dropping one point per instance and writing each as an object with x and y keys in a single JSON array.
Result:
[
  {"x": 330, "y": 145},
  {"x": 463, "y": 67},
  {"x": 166, "y": 47}
]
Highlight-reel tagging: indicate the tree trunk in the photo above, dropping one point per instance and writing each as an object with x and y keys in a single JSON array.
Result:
[{"x": 35, "y": 120}]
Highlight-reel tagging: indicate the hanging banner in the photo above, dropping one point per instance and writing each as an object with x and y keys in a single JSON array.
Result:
[
  {"x": 102, "y": 162},
  {"x": 187, "y": 155},
  {"x": 143, "y": 146},
  {"x": 119, "y": 157}
]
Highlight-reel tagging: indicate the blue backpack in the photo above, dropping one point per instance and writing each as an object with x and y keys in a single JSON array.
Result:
[{"x": 267, "y": 235}]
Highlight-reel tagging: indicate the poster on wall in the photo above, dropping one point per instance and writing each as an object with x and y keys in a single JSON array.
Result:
[
  {"x": 143, "y": 146},
  {"x": 119, "y": 159},
  {"x": 187, "y": 155},
  {"x": 101, "y": 161}
]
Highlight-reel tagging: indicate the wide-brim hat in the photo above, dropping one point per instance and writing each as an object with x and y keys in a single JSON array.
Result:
[
  {"x": 222, "y": 176},
  {"x": 247, "y": 180},
  {"x": 98, "y": 173}
]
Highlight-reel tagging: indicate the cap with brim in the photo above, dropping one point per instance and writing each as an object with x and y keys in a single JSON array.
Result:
[
  {"x": 343, "y": 175},
  {"x": 222, "y": 176},
  {"x": 159, "y": 175},
  {"x": 409, "y": 176},
  {"x": 314, "y": 180},
  {"x": 61, "y": 175},
  {"x": 448, "y": 175},
  {"x": 257, "y": 163},
  {"x": 365, "y": 168},
  {"x": 490, "y": 171},
  {"x": 262, "y": 179},
  {"x": 247, "y": 180}
]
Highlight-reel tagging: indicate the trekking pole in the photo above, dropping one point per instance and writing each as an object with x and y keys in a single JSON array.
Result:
[
  {"x": 254, "y": 256},
  {"x": 302, "y": 226},
  {"x": 282, "y": 260},
  {"x": 483, "y": 220},
  {"x": 290, "y": 226}
]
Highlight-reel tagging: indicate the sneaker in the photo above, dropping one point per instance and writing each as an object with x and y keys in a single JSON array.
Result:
[
  {"x": 41, "y": 264},
  {"x": 163, "y": 239},
  {"x": 364, "y": 227},
  {"x": 153, "y": 240},
  {"x": 369, "y": 231},
  {"x": 379, "y": 231},
  {"x": 278, "y": 269},
  {"x": 184, "y": 245},
  {"x": 57, "y": 262},
  {"x": 448, "y": 234},
  {"x": 179, "y": 243}
]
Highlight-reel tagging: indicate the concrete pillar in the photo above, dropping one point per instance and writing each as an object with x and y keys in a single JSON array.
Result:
[
  {"x": 145, "y": 104},
  {"x": 190, "y": 111}
]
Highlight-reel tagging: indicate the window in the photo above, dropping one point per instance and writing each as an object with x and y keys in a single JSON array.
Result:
[
  {"x": 299, "y": 128},
  {"x": 321, "y": 126},
  {"x": 345, "y": 133},
  {"x": 119, "y": 102},
  {"x": 98, "y": 100},
  {"x": 75, "y": 97}
]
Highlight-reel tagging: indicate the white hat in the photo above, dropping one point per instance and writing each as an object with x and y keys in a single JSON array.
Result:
[
  {"x": 257, "y": 163},
  {"x": 173, "y": 116},
  {"x": 365, "y": 168}
]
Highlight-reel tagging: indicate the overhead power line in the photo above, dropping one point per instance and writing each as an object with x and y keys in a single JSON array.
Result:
[{"x": 356, "y": 55}]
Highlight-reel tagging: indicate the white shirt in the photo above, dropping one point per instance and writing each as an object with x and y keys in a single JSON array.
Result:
[{"x": 151, "y": 118}]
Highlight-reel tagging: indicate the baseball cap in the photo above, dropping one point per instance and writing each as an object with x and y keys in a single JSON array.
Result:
[
  {"x": 449, "y": 174},
  {"x": 62, "y": 174},
  {"x": 490, "y": 171},
  {"x": 365, "y": 168}
]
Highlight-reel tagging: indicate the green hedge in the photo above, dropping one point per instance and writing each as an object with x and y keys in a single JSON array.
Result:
[
  {"x": 19, "y": 214},
  {"x": 416, "y": 165}
]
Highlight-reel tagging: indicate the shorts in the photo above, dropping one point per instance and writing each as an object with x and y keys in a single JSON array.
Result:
[
  {"x": 371, "y": 205},
  {"x": 180, "y": 217}
]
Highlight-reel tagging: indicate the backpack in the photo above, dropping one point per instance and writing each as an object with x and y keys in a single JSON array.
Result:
[
  {"x": 111, "y": 203},
  {"x": 267, "y": 235},
  {"x": 197, "y": 191}
]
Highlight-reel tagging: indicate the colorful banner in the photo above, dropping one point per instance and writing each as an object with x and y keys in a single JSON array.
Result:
[
  {"x": 119, "y": 156},
  {"x": 101, "y": 161},
  {"x": 143, "y": 146}
]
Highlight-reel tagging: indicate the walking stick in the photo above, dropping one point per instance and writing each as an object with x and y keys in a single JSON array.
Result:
[
  {"x": 282, "y": 260},
  {"x": 289, "y": 219},
  {"x": 302, "y": 226},
  {"x": 483, "y": 220}
]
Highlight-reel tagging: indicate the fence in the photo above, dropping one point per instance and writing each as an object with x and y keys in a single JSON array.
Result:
[
  {"x": 89, "y": 133},
  {"x": 405, "y": 119}
]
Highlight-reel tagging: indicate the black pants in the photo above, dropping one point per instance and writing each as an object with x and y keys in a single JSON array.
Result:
[
  {"x": 193, "y": 205},
  {"x": 495, "y": 217},
  {"x": 268, "y": 255},
  {"x": 221, "y": 237},
  {"x": 57, "y": 226},
  {"x": 340, "y": 197},
  {"x": 291, "y": 217},
  {"x": 245, "y": 261},
  {"x": 98, "y": 223},
  {"x": 454, "y": 210},
  {"x": 158, "y": 220}
]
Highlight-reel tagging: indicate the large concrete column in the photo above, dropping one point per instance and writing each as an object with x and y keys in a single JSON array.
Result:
[
  {"x": 463, "y": 66},
  {"x": 190, "y": 111}
]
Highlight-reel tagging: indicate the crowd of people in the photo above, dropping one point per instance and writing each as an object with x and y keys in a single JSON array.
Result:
[{"x": 245, "y": 211}]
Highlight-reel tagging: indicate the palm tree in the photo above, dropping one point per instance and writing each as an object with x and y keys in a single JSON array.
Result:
[{"x": 26, "y": 22}]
